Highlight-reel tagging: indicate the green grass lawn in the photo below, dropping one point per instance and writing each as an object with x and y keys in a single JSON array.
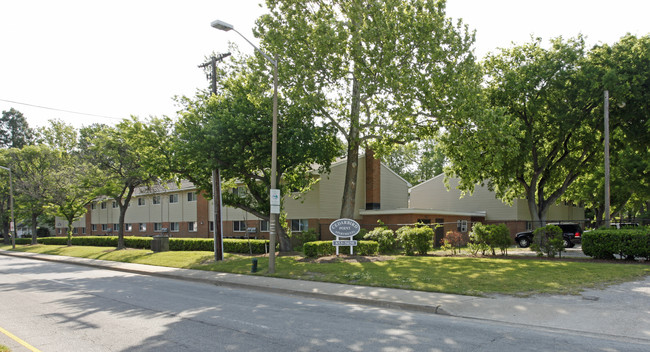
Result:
[{"x": 458, "y": 275}]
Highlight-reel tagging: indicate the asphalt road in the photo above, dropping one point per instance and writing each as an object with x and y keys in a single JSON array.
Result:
[{"x": 64, "y": 307}]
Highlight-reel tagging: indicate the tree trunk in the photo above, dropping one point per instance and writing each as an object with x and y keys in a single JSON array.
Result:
[
  {"x": 34, "y": 227},
  {"x": 285, "y": 241},
  {"x": 352, "y": 166}
]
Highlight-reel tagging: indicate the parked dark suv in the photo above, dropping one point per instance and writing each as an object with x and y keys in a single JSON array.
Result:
[{"x": 572, "y": 234}]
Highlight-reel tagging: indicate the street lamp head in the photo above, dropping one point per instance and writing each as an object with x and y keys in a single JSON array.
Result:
[{"x": 221, "y": 25}]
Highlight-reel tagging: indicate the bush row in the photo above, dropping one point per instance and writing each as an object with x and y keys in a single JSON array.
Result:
[
  {"x": 325, "y": 248},
  {"x": 230, "y": 245},
  {"x": 628, "y": 243}
]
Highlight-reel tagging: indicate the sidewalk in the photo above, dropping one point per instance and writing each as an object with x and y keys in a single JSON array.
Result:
[{"x": 621, "y": 310}]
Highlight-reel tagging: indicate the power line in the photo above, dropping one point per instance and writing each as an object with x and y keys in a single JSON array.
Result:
[{"x": 62, "y": 110}]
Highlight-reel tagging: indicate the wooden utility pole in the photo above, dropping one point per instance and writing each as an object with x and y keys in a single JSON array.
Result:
[
  {"x": 216, "y": 177},
  {"x": 607, "y": 211}
]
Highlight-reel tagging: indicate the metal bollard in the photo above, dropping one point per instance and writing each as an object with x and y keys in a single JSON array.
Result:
[{"x": 254, "y": 267}]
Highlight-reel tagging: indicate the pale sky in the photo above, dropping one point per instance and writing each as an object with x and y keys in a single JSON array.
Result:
[{"x": 130, "y": 57}]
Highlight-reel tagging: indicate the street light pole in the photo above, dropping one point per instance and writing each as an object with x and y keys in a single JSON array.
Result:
[
  {"x": 12, "y": 225},
  {"x": 273, "y": 214}
]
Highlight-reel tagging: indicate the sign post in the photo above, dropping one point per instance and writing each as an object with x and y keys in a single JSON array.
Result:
[{"x": 344, "y": 230}]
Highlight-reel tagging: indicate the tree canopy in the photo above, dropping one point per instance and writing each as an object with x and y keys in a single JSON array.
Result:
[
  {"x": 232, "y": 131},
  {"x": 543, "y": 127},
  {"x": 378, "y": 71}
]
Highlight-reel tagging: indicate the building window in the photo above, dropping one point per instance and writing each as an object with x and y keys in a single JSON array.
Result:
[
  {"x": 157, "y": 226},
  {"x": 173, "y": 226},
  {"x": 239, "y": 226},
  {"x": 191, "y": 226},
  {"x": 128, "y": 227},
  {"x": 104, "y": 227},
  {"x": 143, "y": 226},
  {"x": 299, "y": 225},
  {"x": 83, "y": 230},
  {"x": 173, "y": 198},
  {"x": 93, "y": 206},
  {"x": 103, "y": 206},
  {"x": 211, "y": 226},
  {"x": 114, "y": 204},
  {"x": 264, "y": 226},
  {"x": 74, "y": 230},
  {"x": 191, "y": 196},
  {"x": 93, "y": 227},
  {"x": 142, "y": 202},
  {"x": 461, "y": 225},
  {"x": 239, "y": 191},
  {"x": 156, "y": 200},
  {"x": 116, "y": 227}
]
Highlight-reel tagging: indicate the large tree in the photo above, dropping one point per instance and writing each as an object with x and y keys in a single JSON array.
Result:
[
  {"x": 543, "y": 130},
  {"x": 33, "y": 167},
  {"x": 129, "y": 157},
  {"x": 416, "y": 161},
  {"x": 231, "y": 131},
  {"x": 14, "y": 130},
  {"x": 626, "y": 66},
  {"x": 379, "y": 71}
]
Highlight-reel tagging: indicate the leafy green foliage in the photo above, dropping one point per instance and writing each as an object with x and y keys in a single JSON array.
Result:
[
  {"x": 489, "y": 237},
  {"x": 541, "y": 131},
  {"x": 379, "y": 71},
  {"x": 415, "y": 239},
  {"x": 384, "y": 237},
  {"x": 603, "y": 244},
  {"x": 230, "y": 245},
  {"x": 14, "y": 130},
  {"x": 548, "y": 240},
  {"x": 231, "y": 131},
  {"x": 325, "y": 248}
]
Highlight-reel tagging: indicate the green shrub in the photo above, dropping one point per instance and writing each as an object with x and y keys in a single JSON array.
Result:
[
  {"x": 415, "y": 239},
  {"x": 230, "y": 245},
  {"x": 548, "y": 240},
  {"x": 490, "y": 237},
  {"x": 385, "y": 237},
  {"x": 325, "y": 248},
  {"x": 628, "y": 243},
  {"x": 23, "y": 241}
]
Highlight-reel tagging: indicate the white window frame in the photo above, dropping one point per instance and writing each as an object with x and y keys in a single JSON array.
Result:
[
  {"x": 128, "y": 227},
  {"x": 264, "y": 226},
  {"x": 143, "y": 226},
  {"x": 93, "y": 227},
  {"x": 191, "y": 196},
  {"x": 114, "y": 204},
  {"x": 239, "y": 226},
  {"x": 157, "y": 227},
  {"x": 174, "y": 226},
  {"x": 103, "y": 205},
  {"x": 104, "y": 227},
  {"x": 93, "y": 206},
  {"x": 191, "y": 226},
  {"x": 211, "y": 226},
  {"x": 173, "y": 198},
  {"x": 299, "y": 225},
  {"x": 116, "y": 227},
  {"x": 155, "y": 200},
  {"x": 142, "y": 201}
]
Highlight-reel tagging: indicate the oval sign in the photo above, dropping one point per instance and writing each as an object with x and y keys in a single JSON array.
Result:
[{"x": 344, "y": 228}]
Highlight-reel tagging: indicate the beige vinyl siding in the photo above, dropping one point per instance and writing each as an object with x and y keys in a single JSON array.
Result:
[
  {"x": 394, "y": 190},
  {"x": 331, "y": 192},
  {"x": 433, "y": 194},
  {"x": 305, "y": 207}
]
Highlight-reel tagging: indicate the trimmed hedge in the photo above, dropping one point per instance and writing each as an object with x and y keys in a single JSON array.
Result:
[
  {"x": 230, "y": 245},
  {"x": 603, "y": 244},
  {"x": 415, "y": 239},
  {"x": 325, "y": 248}
]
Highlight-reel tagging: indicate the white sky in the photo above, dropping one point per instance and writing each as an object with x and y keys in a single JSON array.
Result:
[{"x": 130, "y": 57}]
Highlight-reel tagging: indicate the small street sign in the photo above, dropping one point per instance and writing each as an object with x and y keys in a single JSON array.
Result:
[{"x": 344, "y": 243}]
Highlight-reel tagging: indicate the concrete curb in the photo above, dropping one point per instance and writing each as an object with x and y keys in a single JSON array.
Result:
[{"x": 267, "y": 284}]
